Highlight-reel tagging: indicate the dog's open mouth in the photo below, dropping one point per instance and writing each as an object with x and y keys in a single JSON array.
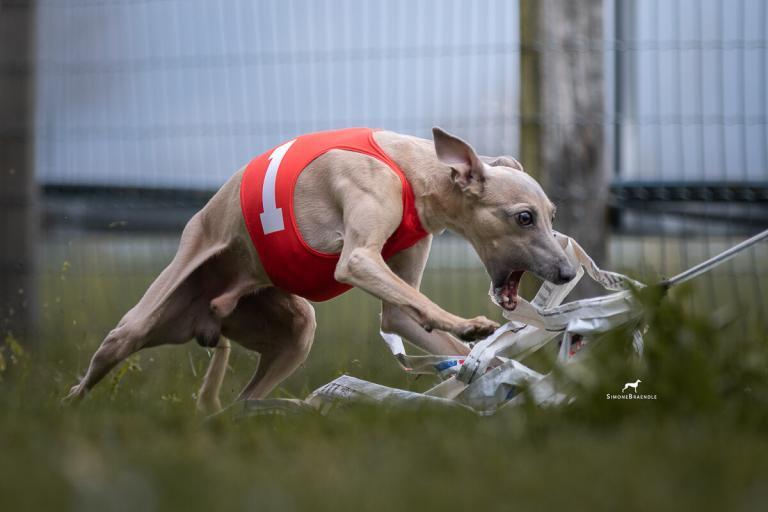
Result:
[{"x": 506, "y": 295}]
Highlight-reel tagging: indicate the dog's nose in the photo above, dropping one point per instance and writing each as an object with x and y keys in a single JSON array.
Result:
[{"x": 565, "y": 274}]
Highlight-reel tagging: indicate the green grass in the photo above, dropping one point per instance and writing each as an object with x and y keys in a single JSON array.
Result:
[{"x": 135, "y": 443}]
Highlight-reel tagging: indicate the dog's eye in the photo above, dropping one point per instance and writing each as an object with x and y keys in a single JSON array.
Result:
[{"x": 524, "y": 218}]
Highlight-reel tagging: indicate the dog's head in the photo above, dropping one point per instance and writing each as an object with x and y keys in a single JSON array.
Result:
[{"x": 505, "y": 215}]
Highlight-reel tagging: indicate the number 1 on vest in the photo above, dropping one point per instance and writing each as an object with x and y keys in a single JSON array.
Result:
[{"x": 272, "y": 216}]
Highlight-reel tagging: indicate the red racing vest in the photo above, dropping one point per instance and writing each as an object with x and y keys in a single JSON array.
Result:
[{"x": 266, "y": 199}]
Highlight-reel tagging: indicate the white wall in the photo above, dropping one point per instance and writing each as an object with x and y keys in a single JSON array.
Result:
[
  {"x": 696, "y": 88},
  {"x": 182, "y": 93}
]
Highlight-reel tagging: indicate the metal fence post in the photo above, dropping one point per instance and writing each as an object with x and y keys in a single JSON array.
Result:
[
  {"x": 18, "y": 209},
  {"x": 562, "y": 129}
]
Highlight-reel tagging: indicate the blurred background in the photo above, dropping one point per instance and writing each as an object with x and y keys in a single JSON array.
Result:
[{"x": 644, "y": 120}]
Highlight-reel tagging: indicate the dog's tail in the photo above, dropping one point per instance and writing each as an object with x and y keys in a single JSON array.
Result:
[{"x": 208, "y": 401}]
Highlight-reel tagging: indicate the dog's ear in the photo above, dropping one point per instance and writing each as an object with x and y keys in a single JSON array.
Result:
[
  {"x": 467, "y": 170},
  {"x": 502, "y": 161}
]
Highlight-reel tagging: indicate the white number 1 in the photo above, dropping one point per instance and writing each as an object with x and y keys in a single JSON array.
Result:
[{"x": 272, "y": 216}]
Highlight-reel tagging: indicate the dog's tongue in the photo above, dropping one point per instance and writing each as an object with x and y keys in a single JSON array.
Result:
[{"x": 508, "y": 293}]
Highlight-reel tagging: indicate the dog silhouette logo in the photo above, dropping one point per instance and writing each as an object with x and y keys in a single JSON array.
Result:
[
  {"x": 632, "y": 385},
  {"x": 632, "y": 395}
]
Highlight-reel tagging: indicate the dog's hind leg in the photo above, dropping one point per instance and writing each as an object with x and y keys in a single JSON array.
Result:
[
  {"x": 208, "y": 401},
  {"x": 409, "y": 266},
  {"x": 278, "y": 325},
  {"x": 176, "y": 320},
  {"x": 175, "y": 308},
  {"x": 120, "y": 343}
]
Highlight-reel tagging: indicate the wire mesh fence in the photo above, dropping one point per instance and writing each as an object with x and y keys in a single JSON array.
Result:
[
  {"x": 690, "y": 159},
  {"x": 180, "y": 94},
  {"x": 143, "y": 107}
]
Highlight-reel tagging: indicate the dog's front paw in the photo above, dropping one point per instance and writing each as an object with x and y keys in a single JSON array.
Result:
[
  {"x": 475, "y": 328},
  {"x": 75, "y": 395}
]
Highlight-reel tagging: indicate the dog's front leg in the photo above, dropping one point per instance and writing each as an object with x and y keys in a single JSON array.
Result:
[
  {"x": 363, "y": 267},
  {"x": 409, "y": 266}
]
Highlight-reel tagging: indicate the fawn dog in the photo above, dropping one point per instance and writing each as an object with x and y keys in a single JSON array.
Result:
[{"x": 329, "y": 211}]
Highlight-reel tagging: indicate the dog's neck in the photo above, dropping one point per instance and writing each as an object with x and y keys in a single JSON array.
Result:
[{"x": 439, "y": 203}]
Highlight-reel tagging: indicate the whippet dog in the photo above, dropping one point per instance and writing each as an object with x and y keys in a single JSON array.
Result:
[{"x": 359, "y": 208}]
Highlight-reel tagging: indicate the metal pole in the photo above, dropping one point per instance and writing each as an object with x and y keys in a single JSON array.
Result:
[
  {"x": 724, "y": 256},
  {"x": 562, "y": 132},
  {"x": 18, "y": 203}
]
